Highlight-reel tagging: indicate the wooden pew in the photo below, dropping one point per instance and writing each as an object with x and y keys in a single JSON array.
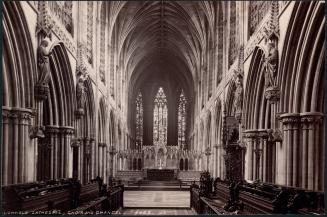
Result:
[
  {"x": 89, "y": 192},
  {"x": 267, "y": 198},
  {"x": 40, "y": 196},
  {"x": 111, "y": 201}
]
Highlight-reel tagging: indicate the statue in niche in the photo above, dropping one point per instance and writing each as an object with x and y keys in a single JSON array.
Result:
[
  {"x": 271, "y": 64},
  {"x": 43, "y": 54},
  {"x": 81, "y": 93},
  {"x": 238, "y": 95}
]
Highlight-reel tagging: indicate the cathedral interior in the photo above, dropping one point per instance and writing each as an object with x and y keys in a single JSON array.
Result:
[{"x": 163, "y": 107}]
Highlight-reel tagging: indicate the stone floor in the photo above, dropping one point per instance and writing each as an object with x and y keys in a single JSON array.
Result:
[
  {"x": 157, "y": 199},
  {"x": 153, "y": 211}
]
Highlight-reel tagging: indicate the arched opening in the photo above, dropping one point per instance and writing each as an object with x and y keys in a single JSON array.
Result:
[
  {"x": 186, "y": 165},
  {"x": 58, "y": 115},
  {"x": 18, "y": 80},
  {"x": 181, "y": 164}
]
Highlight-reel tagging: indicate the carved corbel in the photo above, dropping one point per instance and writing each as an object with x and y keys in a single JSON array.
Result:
[
  {"x": 275, "y": 135},
  {"x": 37, "y": 132},
  {"x": 75, "y": 142}
]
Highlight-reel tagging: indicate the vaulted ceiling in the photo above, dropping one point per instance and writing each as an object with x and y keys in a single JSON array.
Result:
[{"x": 171, "y": 36}]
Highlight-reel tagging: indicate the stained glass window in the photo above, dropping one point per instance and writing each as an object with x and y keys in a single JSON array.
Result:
[
  {"x": 160, "y": 114},
  {"x": 139, "y": 120},
  {"x": 181, "y": 119}
]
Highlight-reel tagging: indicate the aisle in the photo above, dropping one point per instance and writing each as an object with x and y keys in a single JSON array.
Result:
[
  {"x": 157, "y": 199},
  {"x": 155, "y": 211}
]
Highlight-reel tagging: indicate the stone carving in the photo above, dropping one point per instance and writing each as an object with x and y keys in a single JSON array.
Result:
[
  {"x": 275, "y": 135},
  {"x": 258, "y": 10},
  {"x": 268, "y": 26},
  {"x": 271, "y": 65},
  {"x": 272, "y": 92},
  {"x": 62, "y": 10},
  {"x": 238, "y": 97},
  {"x": 234, "y": 203},
  {"x": 81, "y": 94},
  {"x": 46, "y": 24},
  {"x": 238, "y": 101},
  {"x": 43, "y": 54},
  {"x": 36, "y": 132},
  {"x": 205, "y": 184},
  {"x": 75, "y": 142}
]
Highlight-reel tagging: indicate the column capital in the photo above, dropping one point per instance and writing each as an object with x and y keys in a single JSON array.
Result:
[
  {"x": 290, "y": 118},
  {"x": 66, "y": 129},
  {"x": 311, "y": 117},
  {"x": 51, "y": 129}
]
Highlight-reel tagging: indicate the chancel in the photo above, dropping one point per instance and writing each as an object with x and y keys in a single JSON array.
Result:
[{"x": 163, "y": 107}]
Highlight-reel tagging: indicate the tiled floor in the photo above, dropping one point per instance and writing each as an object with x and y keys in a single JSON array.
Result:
[
  {"x": 157, "y": 199},
  {"x": 158, "y": 212}
]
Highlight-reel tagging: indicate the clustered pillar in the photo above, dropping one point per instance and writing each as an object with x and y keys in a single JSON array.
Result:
[
  {"x": 18, "y": 157},
  {"x": 304, "y": 147}
]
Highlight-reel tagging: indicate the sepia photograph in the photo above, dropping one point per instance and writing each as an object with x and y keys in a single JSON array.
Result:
[{"x": 150, "y": 108}]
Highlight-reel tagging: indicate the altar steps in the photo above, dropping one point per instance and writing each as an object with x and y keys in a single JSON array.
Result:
[{"x": 149, "y": 185}]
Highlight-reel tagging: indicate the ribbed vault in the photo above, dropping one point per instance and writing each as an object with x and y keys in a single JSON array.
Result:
[{"x": 166, "y": 38}]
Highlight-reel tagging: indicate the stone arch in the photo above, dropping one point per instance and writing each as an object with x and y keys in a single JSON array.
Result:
[
  {"x": 302, "y": 64},
  {"x": 85, "y": 155},
  {"x": 57, "y": 115},
  {"x": 18, "y": 80},
  {"x": 256, "y": 107},
  {"x": 19, "y": 68},
  {"x": 301, "y": 78}
]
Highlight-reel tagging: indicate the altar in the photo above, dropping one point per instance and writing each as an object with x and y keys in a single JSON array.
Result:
[{"x": 160, "y": 174}]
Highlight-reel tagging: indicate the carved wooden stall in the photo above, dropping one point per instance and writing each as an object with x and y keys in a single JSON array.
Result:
[
  {"x": 36, "y": 196},
  {"x": 64, "y": 195},
  {"x": 266, "y": 198}
]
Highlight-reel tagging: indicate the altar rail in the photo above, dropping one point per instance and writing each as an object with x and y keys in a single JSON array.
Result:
[
  {"x": 129, "y": 175},
  {"x": 189, "y": 176}
]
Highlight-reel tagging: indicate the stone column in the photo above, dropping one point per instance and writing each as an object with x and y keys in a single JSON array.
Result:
[
  {"x": 87, "y": 159},
  {"x": 66, "y": 151},
  {"x": 215, "y": 161},
  {"x": 105, "y": 159},
  {"x": 92, "y": 166},
  {"x": 265, "y": 159},
  {"x": 250, "y": 136},
  {"x": 100, "y": 159},
  {"x": 81, "y": 159},
  {"x": 5, "y": 145},
  {"x": 290, "y": 126},
  {"x": 15, "y": 147},
  {"x": 51, "y": 133},
  {"x": 313, "y": 144}
]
